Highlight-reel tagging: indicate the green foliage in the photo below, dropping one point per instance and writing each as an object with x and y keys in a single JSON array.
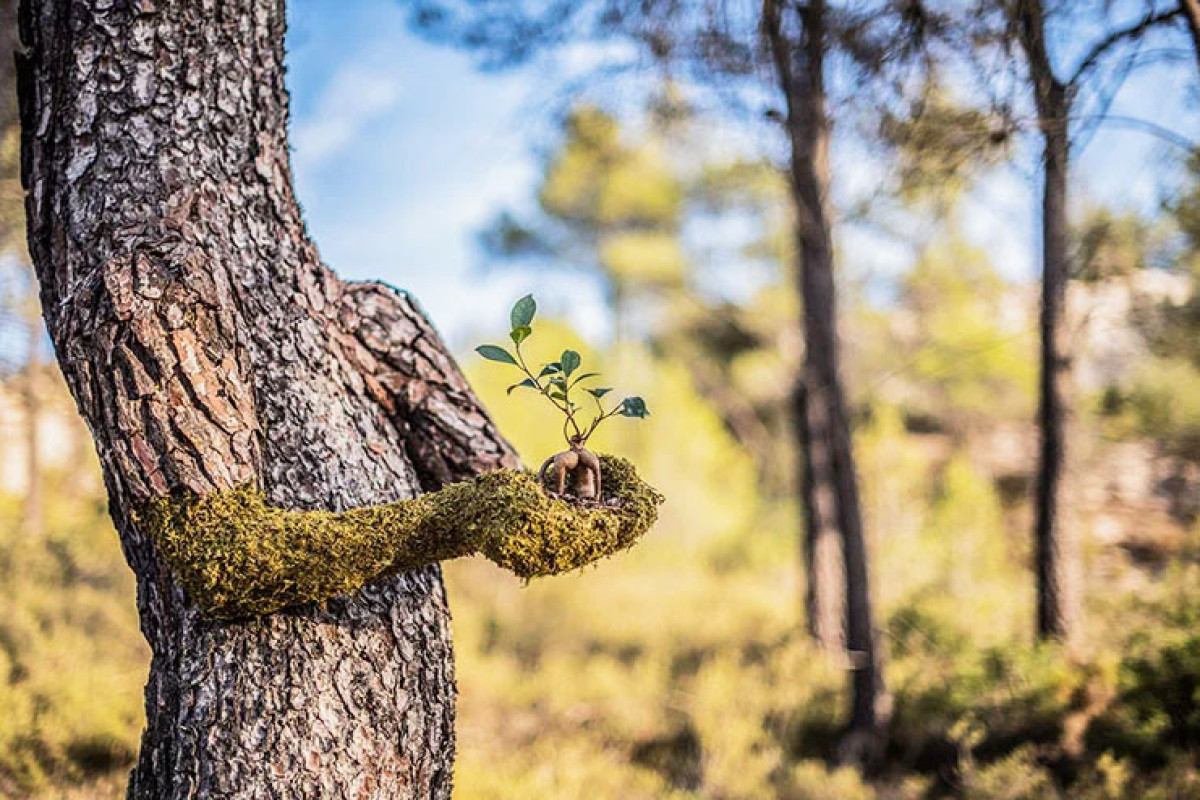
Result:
[
  {"x": 814, "y": 780},
  {"x": 236, "y": 556},
  {"x": 609, "y": 206},
  {"x": 1018, "y": 776},
  {"x": 558, "y": 382},
  {"x": 681, "y": 670},
  {"x": 1158, "y": 709},
  {"x": 1116, "y": 245},
  {"x": 942, "y": 144},
  {"x": 1185, "y": 208},
  {"x": 1174, "y": 331},
  {"x": 522, "y": 313},
  {"x": 1161, "y": 401},
  {"x": 643, "y": 256},
  {"x": 599, "y": 181},
  {"x": 495, "y": 353},
  {"x": 569, "y": 361},
  {"x": 622, "y": 206},
  {"x": 71, "y": 658},
  {"x": 675, "y": 672},
  {"x": 633, "y": 407},
  {"x": 969, "y": 367}
]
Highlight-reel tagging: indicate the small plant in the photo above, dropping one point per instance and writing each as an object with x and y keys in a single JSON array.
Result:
[{"x": 576, "y": 469}]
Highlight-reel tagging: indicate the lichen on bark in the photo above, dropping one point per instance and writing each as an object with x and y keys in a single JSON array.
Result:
[{"x": 236, "y": 556}]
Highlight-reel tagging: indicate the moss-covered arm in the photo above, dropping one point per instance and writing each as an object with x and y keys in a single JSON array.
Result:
[{"x": 236, "y": 556}]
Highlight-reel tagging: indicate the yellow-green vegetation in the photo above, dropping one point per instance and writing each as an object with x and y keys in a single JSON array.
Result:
[
  {"x": 237, "y": 556},
  {"x": 969, "y": 366},
  {"x": 681, "y": 669},
  {"x": 1161, "y": 402},
  {"x": 628, "y": 195},
  {"x": 72, "y": 662}
]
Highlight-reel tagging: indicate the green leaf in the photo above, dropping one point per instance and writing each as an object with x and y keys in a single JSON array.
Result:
[
  {"x": 598, "y": 393},
  {"x": 520, "y": 334},
  {"x": 493, "y": 353},
  {"x": 585, "y": 376},
  {"x": 527, "y": 383},
  {"x": 522, "y": 312},
  {"x": 634, "y": 407},
  {"x": 570, "y": 362},
  {"x": 550, "y": 369},
  {"x": 559, "y": 381},
  {"x": 557, "y": 395}
]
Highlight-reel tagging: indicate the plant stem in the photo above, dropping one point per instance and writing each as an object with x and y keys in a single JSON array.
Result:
[
  {"x": 600, "y": 418},
  {"x": 564, "y": 406}
]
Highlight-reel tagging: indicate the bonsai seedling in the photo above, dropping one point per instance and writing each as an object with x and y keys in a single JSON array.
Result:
[
  {"x": 238, "y": 556},
  {"x": 574, "y": 472}
]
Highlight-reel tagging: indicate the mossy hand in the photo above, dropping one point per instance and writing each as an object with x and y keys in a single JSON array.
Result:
[{"x": 236, "y": 556}]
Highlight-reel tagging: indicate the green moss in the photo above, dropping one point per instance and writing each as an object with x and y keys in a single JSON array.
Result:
[{"x": 236, "y": 556}]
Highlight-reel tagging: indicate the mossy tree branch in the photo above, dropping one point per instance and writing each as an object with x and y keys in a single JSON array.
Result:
[{"x": 236, "y": 556}]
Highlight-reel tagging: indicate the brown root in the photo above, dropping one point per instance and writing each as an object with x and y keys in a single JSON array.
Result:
[{"x": 574, "y": 473}]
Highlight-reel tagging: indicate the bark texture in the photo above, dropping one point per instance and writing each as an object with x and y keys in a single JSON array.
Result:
[
  {"x": 208, "y": 348},
  {"x": 830, "y": 483},
  {"x": 1056, "y": 549}
]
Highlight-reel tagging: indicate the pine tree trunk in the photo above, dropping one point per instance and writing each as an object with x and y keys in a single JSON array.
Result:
[
  {"x": 1056, "y": 551},
  {"x": 815, "y": 396},
  {"x": 830, "y": 481},
  {"x": 207, "y": 347},
  {"x": 8, "y": 95},
  {"x": 1057, "y": 556},
  {"x": 824, "y": 597}
]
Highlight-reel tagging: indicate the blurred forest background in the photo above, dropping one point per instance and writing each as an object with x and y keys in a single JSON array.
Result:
[{"x": 685, "y": 667}]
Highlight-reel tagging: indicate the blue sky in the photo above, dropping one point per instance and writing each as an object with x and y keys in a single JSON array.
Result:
[{"x": 403, "y": 151}]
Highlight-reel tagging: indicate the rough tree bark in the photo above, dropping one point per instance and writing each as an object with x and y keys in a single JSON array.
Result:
[
  {"x": 833, "y": 513},
  {"x": 207, "y": 347},
  {"x": 1055, "y": 551}
]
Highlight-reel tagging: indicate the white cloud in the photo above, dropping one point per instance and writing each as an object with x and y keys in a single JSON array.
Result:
[{"x": 354, "y": 97}]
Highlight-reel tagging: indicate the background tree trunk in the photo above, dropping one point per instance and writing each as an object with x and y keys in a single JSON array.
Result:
[
  {"x": 1056, "y": 552},
  {"x": 1191, "y": 15},
  {"x": 830, "y": 482},
  {"x": 208, "y": 347},
  {"x": 825, "y": 587},
  {"x": 8, "y": 43}
]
